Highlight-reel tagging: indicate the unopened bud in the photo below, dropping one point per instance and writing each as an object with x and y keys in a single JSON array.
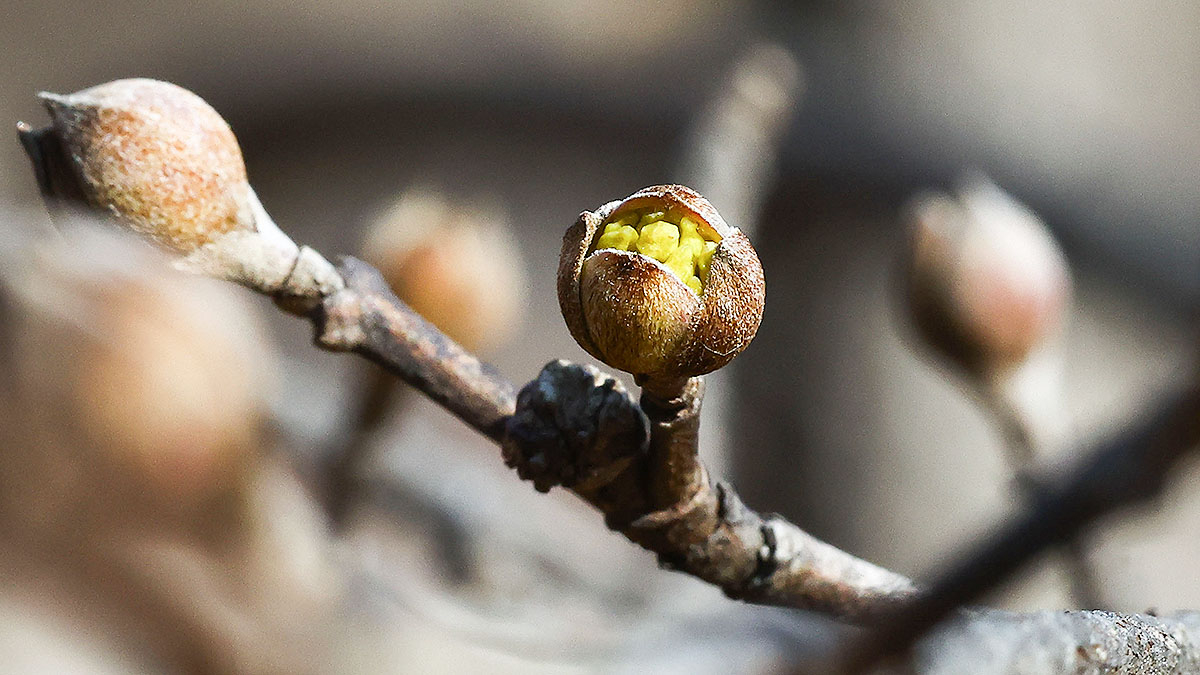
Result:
[
  {"x": 155, "y": 373},
  {"x": 166, "y": 166},
  {"x": 456, "y": 266},
  {"x": 987, "y": 282}
]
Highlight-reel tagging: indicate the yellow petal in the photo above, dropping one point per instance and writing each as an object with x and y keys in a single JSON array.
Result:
[
  {"x": 620, "y": 237},
  {"x": 681, "y": 263},
  {"x": 658, "y": 240}
]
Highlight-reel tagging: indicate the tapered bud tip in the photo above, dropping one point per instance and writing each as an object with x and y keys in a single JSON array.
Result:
[
  {"x": 32, "y": 146},
  {"x": 52, "y": 101},
  {"x": 155, "y": 156},
  {"x": 987, "y": 282},
  {"x": 659, "y": 285}
]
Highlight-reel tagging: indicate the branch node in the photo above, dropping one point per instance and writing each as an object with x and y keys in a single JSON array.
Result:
[
  {"x": 313, "y": 276},
  {"x": 576, "y": 427},
  {"x": 768, "y": 560},
  {"x": 339, "y": 319},
  {"x": 339, "y": 322}
]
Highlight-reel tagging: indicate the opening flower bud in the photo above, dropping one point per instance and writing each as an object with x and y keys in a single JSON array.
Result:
[{"x": 659, "y": 285}]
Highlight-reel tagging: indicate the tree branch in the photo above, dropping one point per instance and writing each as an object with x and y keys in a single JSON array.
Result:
[
  {"x": 576, "y": 428},
  {"x": 339, "y": 479},
  {"x": 366, "y": 317}
]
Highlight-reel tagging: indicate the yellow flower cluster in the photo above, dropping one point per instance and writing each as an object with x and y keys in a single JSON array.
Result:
[{"x": 677, "y": 241}]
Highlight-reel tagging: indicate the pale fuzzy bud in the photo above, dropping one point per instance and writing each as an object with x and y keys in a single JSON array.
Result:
[
  {"x": 158, "y": 157},
  {"x": 165, "y": 165},
  {"x": 679, "y": 297},
  {"x": 988, "y": 285},
  {"x": 157, "y": 375},
  {"x": 457, "y": 266}
]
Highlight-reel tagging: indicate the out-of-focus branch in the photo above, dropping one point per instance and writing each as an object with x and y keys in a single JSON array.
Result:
[
  {"x": 571, "y": 426},
  {"x": 215, "y": 225},
  {"x": 1129, "y": 468},
  {"x": 989, "y": 290},
  {"x": 985, "y": 641},
  {"x": 1022, "y": 443},
  {"x": 729, "y": 154},
  {"x": 576, "y": 428},
  {"x": 378, "y": 394}
]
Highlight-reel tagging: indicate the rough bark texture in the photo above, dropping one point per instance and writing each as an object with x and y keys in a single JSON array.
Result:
[
  {"x": 655, "y": 491},
  {"x": 987, "y": 642},
  {"x": 576, "y": 427},
  {"x": 367, "y": 318}
]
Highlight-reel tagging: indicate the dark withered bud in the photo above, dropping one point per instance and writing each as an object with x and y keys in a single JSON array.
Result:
[
  {"x": 659, "y": 285},
  {"x": 164, "y": 165},
  {"x": 987, "y": 284}
]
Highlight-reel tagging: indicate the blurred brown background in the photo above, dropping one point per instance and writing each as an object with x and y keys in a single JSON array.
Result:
[{"x": 1085, "y": 111}]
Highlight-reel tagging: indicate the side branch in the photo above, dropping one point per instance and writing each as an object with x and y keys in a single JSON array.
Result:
[
  {"x": 573, "y": 426},
  {"x": 1131, "y": 467}
]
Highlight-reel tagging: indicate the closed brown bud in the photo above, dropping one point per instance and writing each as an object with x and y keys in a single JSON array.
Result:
[
  {"x": 166, "y": 166},
  {"x": 987, "y": 283},
  {"x": 157, "y": 157},
  {"x": 659, "y": 285}
]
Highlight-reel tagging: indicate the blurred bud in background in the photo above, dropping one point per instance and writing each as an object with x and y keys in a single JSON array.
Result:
[
  {"x": 153, "y": 376},
  {"x": 456, "y": 264},
  {"x": 988, "y": 284},
  {"x": 136, "y": 467},
  {"x": 990, "y": 290}
]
